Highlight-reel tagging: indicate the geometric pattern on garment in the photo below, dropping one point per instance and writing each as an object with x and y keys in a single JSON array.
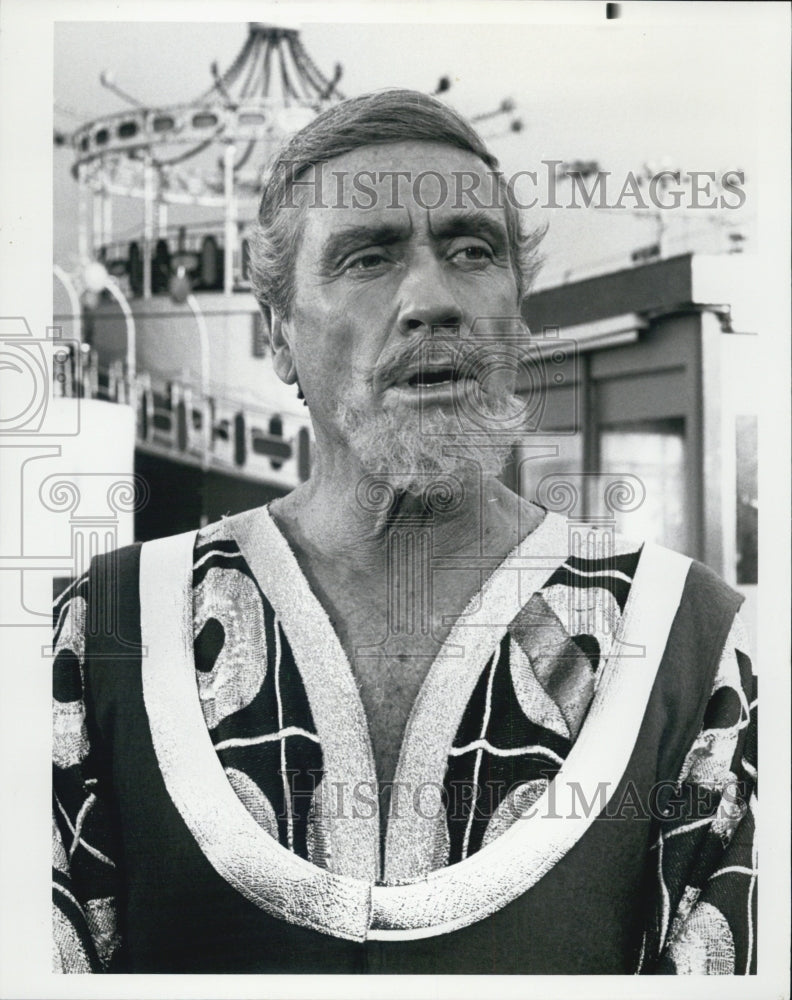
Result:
[
  {"x": 69, "y": 736},
  {"x": 479, "y": 885},
  {"x": 516, "y": 803},
  {"x": 254, "y": 800},
  {"x": 68, "y": 953},
  {"x": 701, "y": 944},
  {"x": 558, "y": 643},
  {"x": 731, "y": 810},
  {"x": 560, "y": 666},
  {"x": 100, "y": 915},
  {"x": 453, "y": 897},
  {"x": 230, "y": 599},
  {"x": 509, "y": 750},
  {"x": 728, "y": 673},
  {"x": 70, "y": 629},
  {"x": 586, "y": 610},
  {"x": 317, "y": 835},
  {"x": 537, "y": 704},
  {"x": 60, "y": 861},
  {"x": 709, "y": 760}
]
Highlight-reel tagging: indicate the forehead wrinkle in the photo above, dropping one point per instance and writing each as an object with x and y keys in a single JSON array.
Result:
[
  {"x": 471, "y": 222},
  {"x": 466, "y": 221}
]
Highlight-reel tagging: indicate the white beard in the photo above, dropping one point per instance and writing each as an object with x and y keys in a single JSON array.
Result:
[{"x": 411, "y": 449}]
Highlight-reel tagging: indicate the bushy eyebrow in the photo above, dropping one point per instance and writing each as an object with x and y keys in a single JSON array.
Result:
[
  {"x": 471, "y": 223},
  {"x": 350, "y": 238}
]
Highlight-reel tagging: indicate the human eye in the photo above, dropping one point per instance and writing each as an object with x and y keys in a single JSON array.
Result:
[
  {"x": 471, "y": 252},
  {"x": 366, "y": 260}
]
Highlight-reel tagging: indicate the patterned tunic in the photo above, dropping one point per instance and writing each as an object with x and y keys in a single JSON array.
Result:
[{"x": 492, "y": 787}]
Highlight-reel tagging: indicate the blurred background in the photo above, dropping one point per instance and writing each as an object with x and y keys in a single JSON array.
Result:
[{"x": 641, "y": 384}]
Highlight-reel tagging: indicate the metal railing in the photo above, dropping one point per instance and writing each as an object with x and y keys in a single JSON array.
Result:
[
  {"x": 198, "y": 248},
  {"x": 178, "y": 421}
]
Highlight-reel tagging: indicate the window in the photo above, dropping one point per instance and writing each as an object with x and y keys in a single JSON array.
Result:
[
  {"x": 747, "y": 500},
  {"x": 654, "y": 451}
]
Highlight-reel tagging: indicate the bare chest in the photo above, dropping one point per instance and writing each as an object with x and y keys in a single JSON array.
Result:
[{"x": 392, "y": 631}]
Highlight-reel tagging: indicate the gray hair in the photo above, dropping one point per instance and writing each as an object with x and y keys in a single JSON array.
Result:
[{"x": 387, "y": 116}]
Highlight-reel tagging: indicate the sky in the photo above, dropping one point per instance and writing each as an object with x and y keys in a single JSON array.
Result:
[{"x": 682, "y": 92}]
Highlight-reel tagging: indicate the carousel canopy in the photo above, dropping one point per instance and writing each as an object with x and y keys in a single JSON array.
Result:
[{"x": 271, "y": 89}]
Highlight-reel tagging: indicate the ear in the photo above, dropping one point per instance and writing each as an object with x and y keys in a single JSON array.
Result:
[{"x": 282, "y": 360}]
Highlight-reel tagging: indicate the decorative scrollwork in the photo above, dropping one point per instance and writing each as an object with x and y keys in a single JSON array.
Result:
[
  {"x": 532, "y": 379},
  {"x": 558, "y": 494},
  {"x": 58, "y": 494},
  {"x": 499, "y": 364},
  {"x": 376, "y": 493},
  {"x": 625, "y": 494},
  {"x": 128, "y": 495},
  {"x": 443, "y": 494}
]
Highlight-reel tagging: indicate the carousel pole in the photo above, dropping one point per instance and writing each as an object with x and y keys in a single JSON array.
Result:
[
  {"x": 131, "y": 339},
  {"x": 206, "y": 409},
  {"x": 230, "y": 218},
  {"x": 107, "y": 217},
  {"x": 148, "y": 223},
  {"x": 96, "y": 220},
  {"x": 82, "y": 216},
  {"x": 162, "y": 218},
  {"x": 74, "y": 298}
]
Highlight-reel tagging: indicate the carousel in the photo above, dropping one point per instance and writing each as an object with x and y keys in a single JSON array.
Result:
[
  {"x": 165, "y": 322},
  {"x": 209, "y": 154}
]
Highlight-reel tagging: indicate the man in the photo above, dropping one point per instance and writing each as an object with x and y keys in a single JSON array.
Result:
[{"x": 393, "y": 722}]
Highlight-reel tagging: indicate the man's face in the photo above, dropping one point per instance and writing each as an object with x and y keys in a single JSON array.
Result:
[{"x": 389, "y": 281}]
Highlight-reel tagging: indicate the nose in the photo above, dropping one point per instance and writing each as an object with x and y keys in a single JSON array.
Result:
[{"x": 426, "y": 301}]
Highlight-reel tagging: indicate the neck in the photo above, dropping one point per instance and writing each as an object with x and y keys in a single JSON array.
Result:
[{"x": 347, "y": 515}]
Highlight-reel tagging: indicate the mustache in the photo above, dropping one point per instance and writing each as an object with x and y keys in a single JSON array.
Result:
[{"x": 461, "y": 358}]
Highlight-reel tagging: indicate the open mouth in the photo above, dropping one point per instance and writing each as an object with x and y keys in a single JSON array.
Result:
[{"x": 433, "y": 377}]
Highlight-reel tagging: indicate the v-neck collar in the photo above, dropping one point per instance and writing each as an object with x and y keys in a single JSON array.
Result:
[
  {"x": 338, "y": 711},
  {"x": 331, "y": 690},
  {"x": 293, "y": 889}
]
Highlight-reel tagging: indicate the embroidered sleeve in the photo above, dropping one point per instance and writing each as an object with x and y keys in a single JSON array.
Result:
[
  {"x": 83, "y": 870},
  {"x": 704, "y": 858}
]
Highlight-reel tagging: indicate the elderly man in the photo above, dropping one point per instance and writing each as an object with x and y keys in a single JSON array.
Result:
[{"x": 392, "y": 722}]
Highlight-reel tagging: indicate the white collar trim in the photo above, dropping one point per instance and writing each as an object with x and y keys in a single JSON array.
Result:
[{"x": 287, "y": 886}]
